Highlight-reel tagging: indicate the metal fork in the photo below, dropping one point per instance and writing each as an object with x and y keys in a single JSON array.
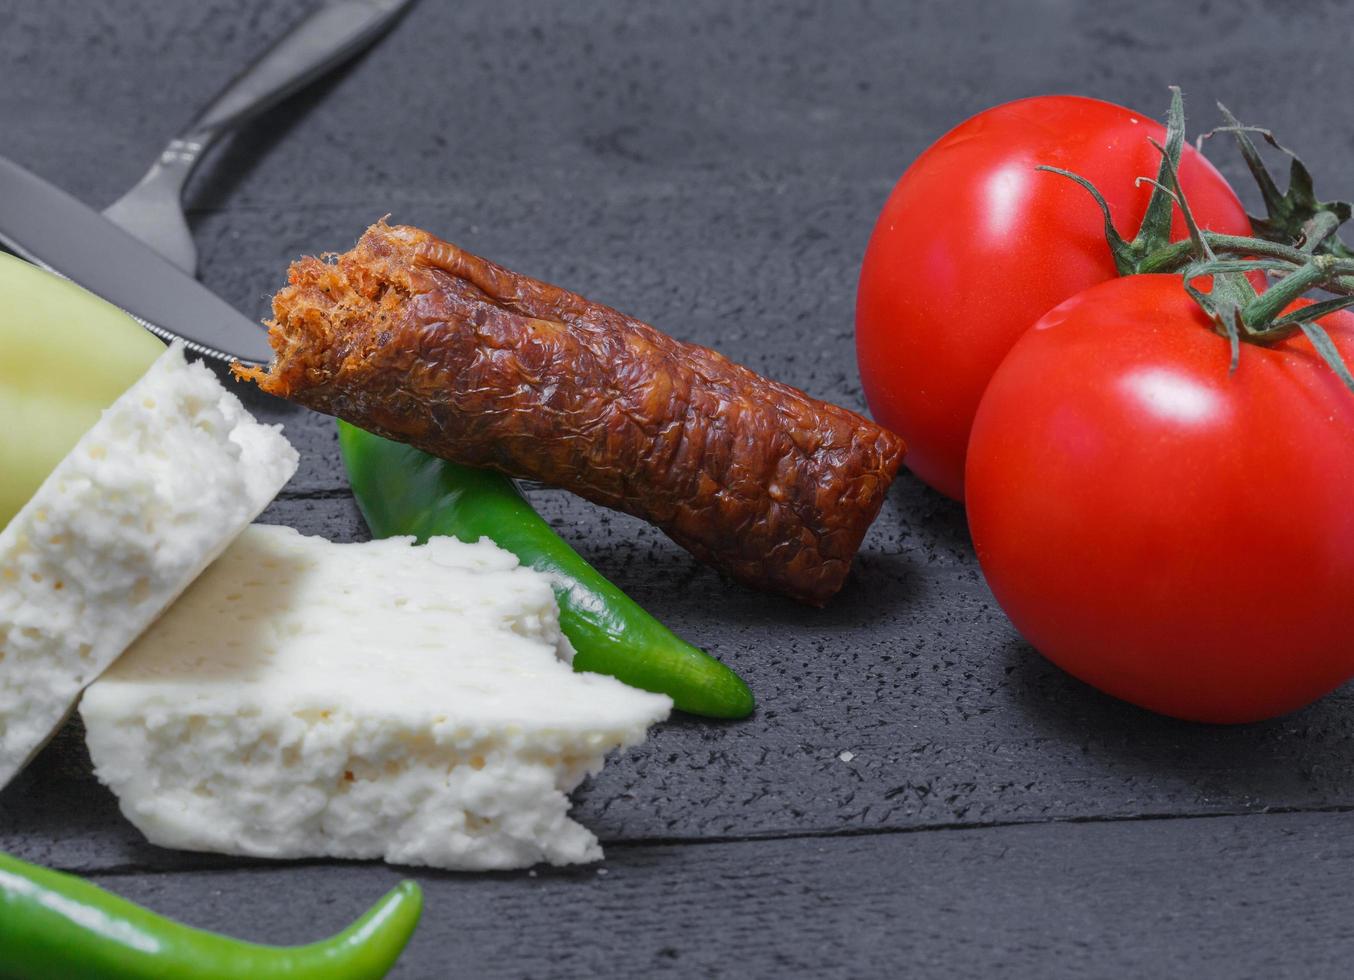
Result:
[{"x": 328, "y": 36}]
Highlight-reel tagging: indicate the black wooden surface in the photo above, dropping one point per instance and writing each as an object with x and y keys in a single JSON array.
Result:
[{"x": 716, "y": 168}]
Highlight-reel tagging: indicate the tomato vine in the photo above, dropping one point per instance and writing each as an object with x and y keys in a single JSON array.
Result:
[{"x": 1297, "y": 243}]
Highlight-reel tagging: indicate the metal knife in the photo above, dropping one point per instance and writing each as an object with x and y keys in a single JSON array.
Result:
[
  {"x": 139, "y": 254},
  {"x": 45, "y": 225}
]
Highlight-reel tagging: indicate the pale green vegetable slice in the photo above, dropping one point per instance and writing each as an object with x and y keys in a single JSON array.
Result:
[{"x": 65, "y": 356}]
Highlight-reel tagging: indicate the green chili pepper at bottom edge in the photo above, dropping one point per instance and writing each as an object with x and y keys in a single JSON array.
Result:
[
  {"x": 403, "y": 490},
  {"x": 55, "y": 926}
]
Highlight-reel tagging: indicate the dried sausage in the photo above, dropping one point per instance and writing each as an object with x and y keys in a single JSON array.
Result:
[{"x": 418, "y": 340}]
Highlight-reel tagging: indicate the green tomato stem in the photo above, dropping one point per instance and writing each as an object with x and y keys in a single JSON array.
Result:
[{"x": 1268, "y": 305}]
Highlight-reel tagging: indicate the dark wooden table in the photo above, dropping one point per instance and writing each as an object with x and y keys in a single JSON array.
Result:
[{"x": 919, "y": 793}]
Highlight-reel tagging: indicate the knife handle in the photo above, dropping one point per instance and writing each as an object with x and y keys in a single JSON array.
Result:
[{"x": 328, "y": 36}]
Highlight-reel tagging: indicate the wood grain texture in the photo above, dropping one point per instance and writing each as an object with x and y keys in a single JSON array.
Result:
[
  {"x": 715, "y": 169},
  {"x": 1222, "y": 898}
]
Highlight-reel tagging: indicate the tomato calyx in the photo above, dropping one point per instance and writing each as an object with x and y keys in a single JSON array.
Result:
[
  {"x": 1295, "y": 214},
  {"x": 1154, "y": 232},
  {"x": 1259, "y": 318},
  {"x": 1297, "y": 246}
]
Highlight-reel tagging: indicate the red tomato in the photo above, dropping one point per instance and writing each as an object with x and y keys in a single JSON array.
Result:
[
  {"x": 974, "y": 245},
  {"x": 1174, "y": 535}
]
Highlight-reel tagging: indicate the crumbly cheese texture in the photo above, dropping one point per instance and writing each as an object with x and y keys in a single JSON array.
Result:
[
  {"x": 375, "y": 700},
  {"x": 149, "y": 496}
]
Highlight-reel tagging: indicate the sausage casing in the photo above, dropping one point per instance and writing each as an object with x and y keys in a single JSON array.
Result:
[{"x": 415, "y": 339}]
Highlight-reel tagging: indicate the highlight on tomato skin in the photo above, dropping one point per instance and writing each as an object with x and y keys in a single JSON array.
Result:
[
  {"x": 1173, "y": 534},
  {"x": 974, "y": 245}
]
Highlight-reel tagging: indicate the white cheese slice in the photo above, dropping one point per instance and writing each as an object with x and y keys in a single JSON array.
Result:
[
  {"x": 376, "y": 700},
  {"x": 170, "y": 473}
]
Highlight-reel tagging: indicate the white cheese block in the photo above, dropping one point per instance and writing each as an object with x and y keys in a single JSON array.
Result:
[
  {"x": 170, "y": 473},
  {"x": 376, "y": 700}
]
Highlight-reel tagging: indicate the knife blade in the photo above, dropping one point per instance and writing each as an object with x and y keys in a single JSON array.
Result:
[{"x": 47, "y": 226}]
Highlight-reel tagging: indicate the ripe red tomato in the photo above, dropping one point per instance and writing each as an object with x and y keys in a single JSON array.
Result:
[
  {"x": 1174, "y": 535},
  {"x": 974, "y": 245}
]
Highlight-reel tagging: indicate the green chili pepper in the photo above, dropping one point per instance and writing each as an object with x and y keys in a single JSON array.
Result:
[
  {"x": 402, "y": 490},
  {"x": 54, "y": 926}
]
